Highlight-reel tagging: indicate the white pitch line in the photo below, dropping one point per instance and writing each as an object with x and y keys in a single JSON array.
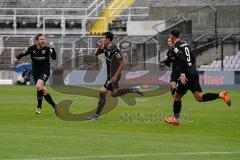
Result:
[{"x": 129, "y": 155}]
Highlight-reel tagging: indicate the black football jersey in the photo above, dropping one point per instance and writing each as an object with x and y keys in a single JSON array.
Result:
[
  {"x": 40, "y": 58},
  {"x": 183, "y": 56},
  {"x": 113, "y": 56},
  {"x": 172, "y": 59}
]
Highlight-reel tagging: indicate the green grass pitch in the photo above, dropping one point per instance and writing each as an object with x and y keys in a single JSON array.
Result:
[{"x": 213, "y": 132}]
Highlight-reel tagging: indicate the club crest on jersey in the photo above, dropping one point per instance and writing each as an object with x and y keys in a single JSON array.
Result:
[
  {"x": 176, "y": 50},
  {"x": 43, "y": 51}
]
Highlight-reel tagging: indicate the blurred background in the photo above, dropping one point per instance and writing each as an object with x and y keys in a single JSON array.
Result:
[{"x": 141, "y": 28}]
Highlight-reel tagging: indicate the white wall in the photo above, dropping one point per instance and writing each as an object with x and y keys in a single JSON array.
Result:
[{"x": 143, "y": 27}]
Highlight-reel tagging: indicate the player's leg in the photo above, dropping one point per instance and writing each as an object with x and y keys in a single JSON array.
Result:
[
  {"x": 197, "y": 93},
  {"x": 101, "y": 102},
  {"x": 39, "y": 88},
  {"x": 172, "y": 86},
  {"x": 173, "y": 82},
  {"x": 115, "y": 92},
  {"x": 102, "y": 99},
  {"x": 212, "y": 96},
  {"x": 49, "y": 99},
  {"x": 181, "y": 90},
  {"x": 177, "y": 106},
  {"x": 123, "y": 91}
]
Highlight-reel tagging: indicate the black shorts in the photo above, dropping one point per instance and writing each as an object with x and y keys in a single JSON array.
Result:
[
  {"x": 174, "y": 77},
  {"x": 192, "y": 84},
  {"x": 111, "y": 86},
  {"x": 42, "y": 76}
]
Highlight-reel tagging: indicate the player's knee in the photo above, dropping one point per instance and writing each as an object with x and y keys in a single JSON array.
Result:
[
  {"x": 45, "y": 92},
  {"x": 172, "y": 85},
  {"x": 39, "y": 87},
  {"x": 103, "y": 90},
  {"x": 177, "y": 99},
  {"x": 113, "y": 94},
  {"x": 198, "y": 98}
]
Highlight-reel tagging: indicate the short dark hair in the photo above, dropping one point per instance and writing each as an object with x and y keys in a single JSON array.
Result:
[
  {"x": 38, "y": 35},
  {"x": 109, "y": 35},
  {"x": 175, "y": 32}
]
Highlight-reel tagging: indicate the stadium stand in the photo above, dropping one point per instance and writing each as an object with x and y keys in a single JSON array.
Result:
[
  {"x": 69, "y": 43},
  {"x": 46, "y": 4},
  {"x": 229, "y": 63}
]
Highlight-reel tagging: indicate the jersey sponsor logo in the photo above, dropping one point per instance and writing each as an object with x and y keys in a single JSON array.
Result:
[
  {"x": 43, "y": 51},
  {"x": 39, "y": 58}
]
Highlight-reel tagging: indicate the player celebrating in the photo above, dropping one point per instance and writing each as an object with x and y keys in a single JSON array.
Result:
[
  {"x": 40, "y": 56},
  {"x": 115, "y": 64},
  {"x": 189, "y": 78}
]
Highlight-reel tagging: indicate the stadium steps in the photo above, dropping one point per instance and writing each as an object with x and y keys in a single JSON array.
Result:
[
  {"x": 101, "y": 25},
  {"x": 46, "y": 3},
  {"x": 231, "y": 62}
]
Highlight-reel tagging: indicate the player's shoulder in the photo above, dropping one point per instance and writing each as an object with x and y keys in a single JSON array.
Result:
[
  {"x": 32, "y": 47},
  {"x": 114, "y": 48},
  {"x": 46, "y": 48},
  {"x": 183, "y": 44}
]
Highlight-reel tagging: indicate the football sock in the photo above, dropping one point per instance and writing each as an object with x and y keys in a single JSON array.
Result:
[
  {"x": 39, "y": 98},
  {"x": 173, "y": 90},
  {"x": 49, "y": 99},
  {"x": 177, "y": 105},
  {"x": 209, "y": 96},
  {"x": 121, "y": 92},
  {"x": 101, "y": 103}
]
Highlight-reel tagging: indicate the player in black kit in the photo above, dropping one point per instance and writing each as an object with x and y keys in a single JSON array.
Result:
[
  {"x": 189, "y": 78},
  {"x": 115, "y": 64},
  {"x": 40, "y": 56},
  {"x": 175, "y": 70}
]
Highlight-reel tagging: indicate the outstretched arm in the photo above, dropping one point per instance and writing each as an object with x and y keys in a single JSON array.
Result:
[{"x": 23, "y": 54}]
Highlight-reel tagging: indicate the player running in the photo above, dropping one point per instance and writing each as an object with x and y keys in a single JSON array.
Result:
[
  {"x": 40, "y": 56},
  {"x": 189, "y": 78},
  {"x": 115, "y": 64}
]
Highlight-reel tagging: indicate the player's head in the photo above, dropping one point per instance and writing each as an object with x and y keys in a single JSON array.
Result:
[
  {"x": 40, "y": 40},
  {"x": 107, "y": 37},
  {"x": 170, "y": 42},
  {"x": 174, "y": 35}
]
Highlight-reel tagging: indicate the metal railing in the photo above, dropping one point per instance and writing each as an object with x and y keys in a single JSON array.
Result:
[
  {"x": 130, "y": 12},
  {"x": 40, "y": 15}
]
